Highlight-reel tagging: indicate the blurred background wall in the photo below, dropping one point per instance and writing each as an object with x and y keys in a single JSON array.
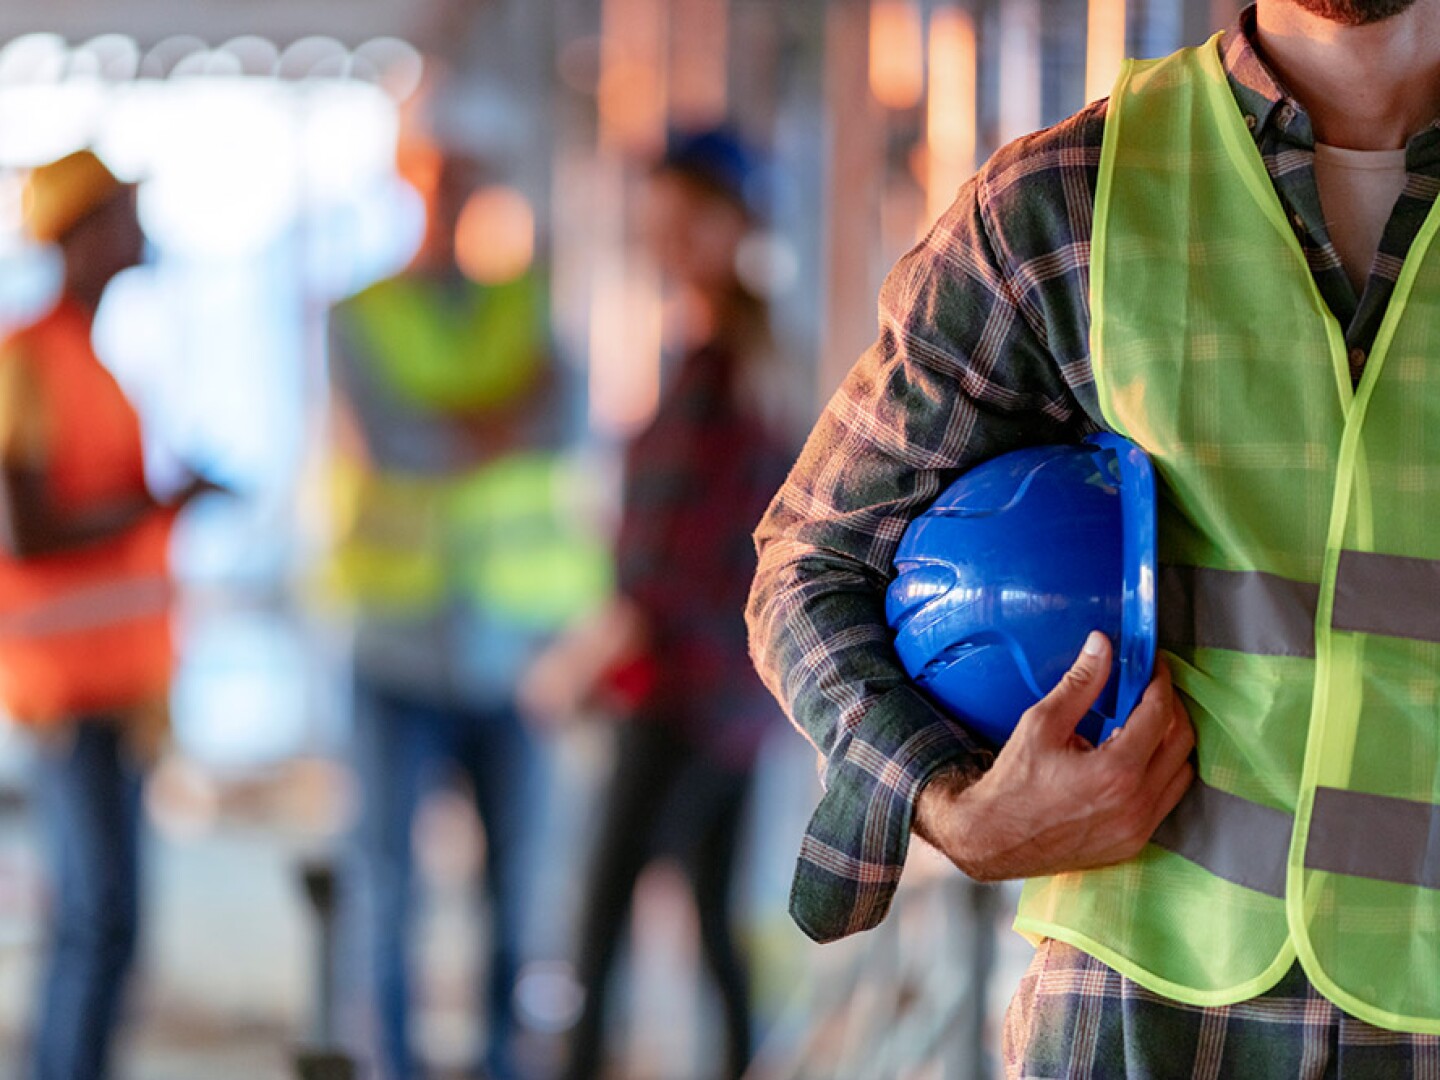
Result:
[{"x": 265, "y": 134}]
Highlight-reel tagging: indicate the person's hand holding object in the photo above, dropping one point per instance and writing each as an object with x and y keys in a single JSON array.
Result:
[{"x": 1052, "y": 802}]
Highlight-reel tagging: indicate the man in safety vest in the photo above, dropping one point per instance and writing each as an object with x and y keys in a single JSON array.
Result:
[
  {"x": 459, "y": 555},
  {"x": 85, "y": 653},
  {"x": 1232, "y": 262}
]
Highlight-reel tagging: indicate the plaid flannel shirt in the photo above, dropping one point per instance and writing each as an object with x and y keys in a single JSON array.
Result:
[
  {"x": 696, "y": 481},
  {"x": 1074, "y": 1017},
  {"x": 983, "y": 349}
]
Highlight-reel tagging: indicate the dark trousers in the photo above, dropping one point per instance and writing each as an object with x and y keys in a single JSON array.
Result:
[
  {"x": 665, "y": 798},
  {"x": 87, "y": 793},
  {"x": 402, "y": 745}
]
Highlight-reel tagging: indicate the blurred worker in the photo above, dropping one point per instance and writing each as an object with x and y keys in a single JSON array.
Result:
[
  {"x": 670, "y": 650},
  {"x": 459, "y": 558},
  {"x": 85, "y": 654},
  {"x": 1231, "y": 261}
]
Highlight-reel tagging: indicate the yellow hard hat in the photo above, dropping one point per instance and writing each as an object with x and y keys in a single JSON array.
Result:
[{"x": 58, "y": 195}]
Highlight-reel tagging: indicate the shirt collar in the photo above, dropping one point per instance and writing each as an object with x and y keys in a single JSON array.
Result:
[
  {"x": 1268, "y": 108},
  {"x": 1271, "y": 112}
]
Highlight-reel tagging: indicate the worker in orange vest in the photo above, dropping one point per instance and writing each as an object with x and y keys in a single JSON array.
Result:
[{"x": 85, "y": 652}]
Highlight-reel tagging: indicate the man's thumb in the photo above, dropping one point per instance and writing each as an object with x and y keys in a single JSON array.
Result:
[{"x": 1078, "y": 689}]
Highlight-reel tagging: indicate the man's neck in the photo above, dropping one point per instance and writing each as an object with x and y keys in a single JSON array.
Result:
[{"x": 1365, "y": 87}]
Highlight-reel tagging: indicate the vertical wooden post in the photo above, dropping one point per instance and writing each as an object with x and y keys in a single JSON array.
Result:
[
  {"x": 699, "y": 62},
  {"x": 856, "y": 156},
  {"x": 1104, "y": 46},
  {"x": 951, "y": 106},
  {"x": 1020, "y": 68}
]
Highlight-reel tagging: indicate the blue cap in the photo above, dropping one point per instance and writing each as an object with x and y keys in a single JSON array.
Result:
[
  {"x": 1001, "y": 580},
  {"x": 720, "y": 159}
]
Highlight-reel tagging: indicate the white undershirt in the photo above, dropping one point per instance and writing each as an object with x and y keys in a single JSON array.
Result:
[{"x": 1358, "y": 189}]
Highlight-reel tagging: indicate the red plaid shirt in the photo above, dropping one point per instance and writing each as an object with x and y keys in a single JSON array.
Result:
[{"x": 696, "y": 482}]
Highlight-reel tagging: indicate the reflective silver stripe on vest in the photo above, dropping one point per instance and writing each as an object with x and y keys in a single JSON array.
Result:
[
  {"x": 1242, "y": 610},
  {"x": 90, "y": 608},
  {"x": 1268, "y": 615},
  {"x": 1244, "y": 842},
  {"x": 1387, "y": 594},
  {"x": 1375, "y": 836},
  {"x": 1351, "y": 832}
]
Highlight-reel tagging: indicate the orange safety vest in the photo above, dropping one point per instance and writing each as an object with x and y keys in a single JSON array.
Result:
[{"x": 85, "y": 630}]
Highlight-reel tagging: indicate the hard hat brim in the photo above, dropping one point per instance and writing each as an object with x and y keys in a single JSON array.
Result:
[{"x": 1138, "y": 620}]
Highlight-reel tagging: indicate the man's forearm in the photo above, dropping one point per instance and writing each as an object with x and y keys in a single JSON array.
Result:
[
  {"x": 819, "y": 639},
  {"x": 820, "y": 642},
  {"x": 936, "y": 798}
]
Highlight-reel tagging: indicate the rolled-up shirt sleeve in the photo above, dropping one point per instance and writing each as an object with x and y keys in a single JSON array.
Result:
[{"x": 962, "y": 371}]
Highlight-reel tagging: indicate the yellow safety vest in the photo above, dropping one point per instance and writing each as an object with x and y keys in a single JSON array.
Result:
[
  {"x": 502, "y": 535},
  {"x": 1299, "y": 593}
]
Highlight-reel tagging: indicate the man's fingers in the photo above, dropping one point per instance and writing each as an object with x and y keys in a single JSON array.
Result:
[
  {"x": 1174, "y": 749},
  {"x": 1174, "y": 791},
  {"x": 1061, "y": 710},
  {"x": 1147, "y": 725}
]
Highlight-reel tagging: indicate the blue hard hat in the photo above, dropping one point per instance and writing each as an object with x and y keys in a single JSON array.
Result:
[
  {"x": 724, "y": 161},
  {"x": 1001, "y": 580}
]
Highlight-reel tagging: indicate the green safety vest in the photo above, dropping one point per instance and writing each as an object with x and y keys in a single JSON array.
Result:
[
  {"x": 1299, "y": 590},
  {"x": 502, "y": 536},
  {"x": 453, "y": 357}
]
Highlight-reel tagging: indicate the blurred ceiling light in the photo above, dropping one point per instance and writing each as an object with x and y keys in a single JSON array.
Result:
[
  {"x": 208, "y": 62},
  {"x": 223, "y": 64},
  {"x": 34, "y": 58},
  {"x": 134, "y": 129},
  {"x": 348, "y": 135},
  {"x": 495, "y": 236},
  {"x": 335, "y": 66},
  {"x": 1104, "y": 46},
  {"x": 255, "y": 55},
  {"x": 161, "y": 60},
  {"x": 897, "y": 53},
  {"x": 400, "y": 66},
  {"x": 41, "y": 122},
  {"x": 632, "y": 82},
  {"x": 362, "y": 69},
  {"x": 112, "y": 57},
  {"x": 950, "y": 116},
  {"x": 311, "y": 56},
  {"x": 231, "y": 144}
]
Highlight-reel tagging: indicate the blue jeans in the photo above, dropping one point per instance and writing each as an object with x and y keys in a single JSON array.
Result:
[
  {"x": 87, "y": 793},
  {"x": 402, "y": 744}
]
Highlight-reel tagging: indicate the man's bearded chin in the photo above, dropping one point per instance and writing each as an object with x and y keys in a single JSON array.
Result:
[{"x": 1354, "y": 12}]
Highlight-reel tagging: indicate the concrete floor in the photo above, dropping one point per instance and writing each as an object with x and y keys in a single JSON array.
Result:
[{"x": 223, "y": 991}]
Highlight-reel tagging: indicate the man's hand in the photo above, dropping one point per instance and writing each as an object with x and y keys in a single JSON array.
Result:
[{"x": 1053, "y": 802}]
